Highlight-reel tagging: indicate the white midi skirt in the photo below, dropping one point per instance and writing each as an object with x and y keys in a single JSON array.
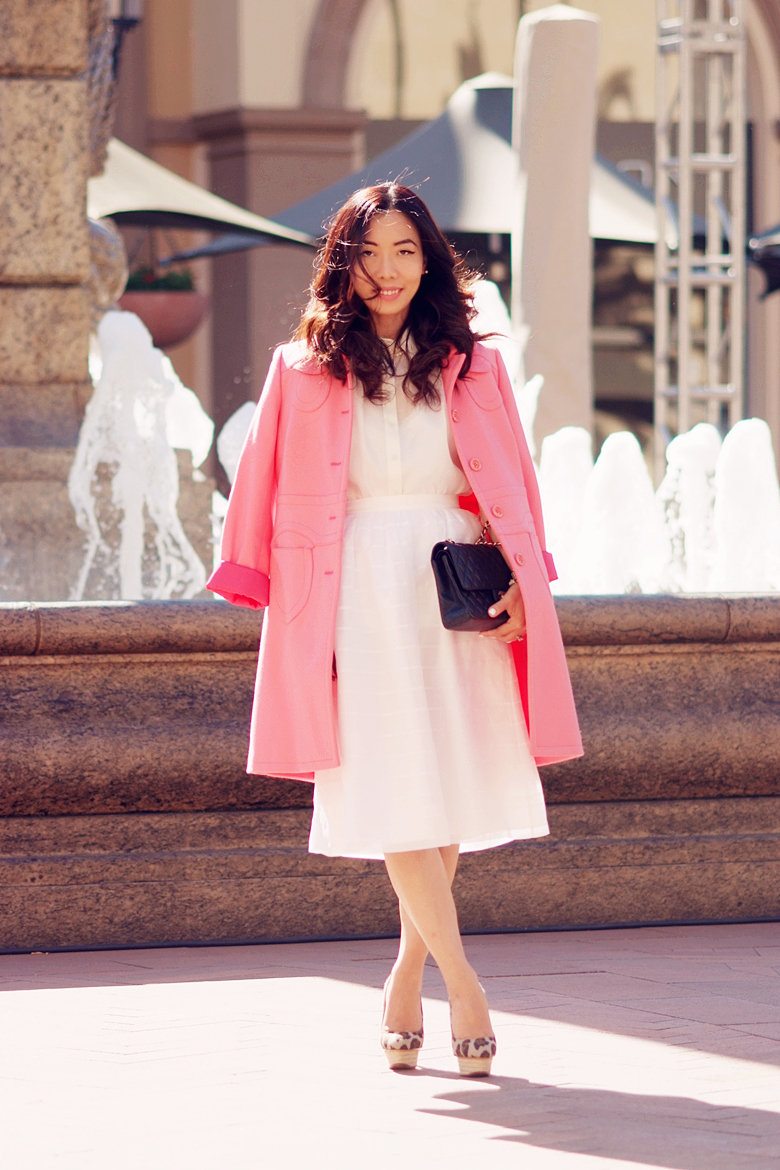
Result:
[{"x": 433, "y": 743}]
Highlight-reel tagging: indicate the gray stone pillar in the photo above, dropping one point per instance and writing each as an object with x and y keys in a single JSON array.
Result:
[{"x": 44, "y": 307}]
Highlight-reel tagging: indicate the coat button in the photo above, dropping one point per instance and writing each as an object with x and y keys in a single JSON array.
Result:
[
  {"x": 456, "y": 416},
  {"x": 497, "y": 511},
  {"x": 520, "y": 558},
  {"x": 475, "y": 464}
]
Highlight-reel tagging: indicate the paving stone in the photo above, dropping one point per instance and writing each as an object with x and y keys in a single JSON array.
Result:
[{"x": 267, "y": 1055}]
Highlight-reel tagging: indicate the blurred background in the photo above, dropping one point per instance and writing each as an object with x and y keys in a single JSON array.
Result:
[{"x": 266, "y": 104}]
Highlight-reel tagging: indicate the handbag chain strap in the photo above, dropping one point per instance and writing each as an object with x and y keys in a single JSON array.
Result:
[{"x": 483, "y": 539}]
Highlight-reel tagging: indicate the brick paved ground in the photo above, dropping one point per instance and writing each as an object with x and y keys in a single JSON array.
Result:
[{"x": 652, "y": 1047}]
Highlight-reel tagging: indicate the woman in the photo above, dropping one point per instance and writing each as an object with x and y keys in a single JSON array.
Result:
[{"x": 387, "y": 426}]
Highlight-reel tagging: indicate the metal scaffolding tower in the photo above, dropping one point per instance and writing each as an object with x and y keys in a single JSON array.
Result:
[{"x": 700, "y": 148}]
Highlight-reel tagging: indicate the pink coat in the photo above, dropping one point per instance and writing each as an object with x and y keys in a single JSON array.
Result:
[{"x": 281, "y": 548}]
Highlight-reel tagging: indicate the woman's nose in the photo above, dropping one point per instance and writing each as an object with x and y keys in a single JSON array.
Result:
[{"x": 387, "y": 266}]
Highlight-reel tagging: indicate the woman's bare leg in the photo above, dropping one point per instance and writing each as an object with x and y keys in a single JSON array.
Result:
[
  {"x": 421, "y": 881},
  {"x": 405, "y": 985}
]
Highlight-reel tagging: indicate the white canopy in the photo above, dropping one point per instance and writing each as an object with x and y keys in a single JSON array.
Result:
[{"x": 134, "y": 189}]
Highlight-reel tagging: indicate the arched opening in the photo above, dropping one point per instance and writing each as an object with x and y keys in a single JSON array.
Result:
[{"x": 328, "y": 52}]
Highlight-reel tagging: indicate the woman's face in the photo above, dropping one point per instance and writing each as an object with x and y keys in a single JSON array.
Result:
[{"x": 391, "y": 255}]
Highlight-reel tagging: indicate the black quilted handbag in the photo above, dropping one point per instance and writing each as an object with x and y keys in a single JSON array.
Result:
[{"x": 469, "y": 579}]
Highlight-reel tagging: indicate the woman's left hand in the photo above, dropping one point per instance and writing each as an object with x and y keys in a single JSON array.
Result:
[{"x": 513, "y": 629}]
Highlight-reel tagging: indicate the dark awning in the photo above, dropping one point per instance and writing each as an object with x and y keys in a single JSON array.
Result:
[{"x": 463, "y": 165}]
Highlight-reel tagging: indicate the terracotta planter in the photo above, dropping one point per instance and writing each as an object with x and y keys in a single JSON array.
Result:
[{"x": 170, "y": 316}]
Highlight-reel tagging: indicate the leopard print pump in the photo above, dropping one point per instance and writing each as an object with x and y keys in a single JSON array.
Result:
[
  {"x": 400, "y": 1048},
  {"x": 475, "y": 1057}
]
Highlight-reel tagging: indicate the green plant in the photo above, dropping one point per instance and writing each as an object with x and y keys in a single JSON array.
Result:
[{"x": 148, "y": 279}]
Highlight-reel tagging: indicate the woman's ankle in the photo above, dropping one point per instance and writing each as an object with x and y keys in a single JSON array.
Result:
[
  {"x": 470, "y": 1017},
  {"x": 403, "y": 1000},
  {"x": 466, "y": 989},
  {"x": 407, "y": 973}
]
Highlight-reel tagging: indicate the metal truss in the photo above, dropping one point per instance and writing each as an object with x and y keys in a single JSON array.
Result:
[{"x": 700, "y": 185}]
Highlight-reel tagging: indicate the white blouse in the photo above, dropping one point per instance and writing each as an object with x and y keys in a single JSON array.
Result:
[{"x": 402, "y": 448}]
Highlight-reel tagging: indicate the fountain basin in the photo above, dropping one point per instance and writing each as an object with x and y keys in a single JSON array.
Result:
[{"x": 126, "y": 817}]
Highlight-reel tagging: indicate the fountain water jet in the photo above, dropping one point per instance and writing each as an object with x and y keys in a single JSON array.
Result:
[
  {"x": 713, "y": 526},
  {"x": 565, "y": 467},
  {"x": 687, "y": 497},
  {"x": 125, "y": 430},
  {"x": 231, "y": 438},
  {"x": 746, "y": 511},
  {"x": 621, "y": 545}
]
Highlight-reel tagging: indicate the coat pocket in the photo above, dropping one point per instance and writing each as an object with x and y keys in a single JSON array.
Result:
[
  {"x": 311, "y": 391},
  {"x": 292, "y": 570},
  {"x": 485, "y": 392}
]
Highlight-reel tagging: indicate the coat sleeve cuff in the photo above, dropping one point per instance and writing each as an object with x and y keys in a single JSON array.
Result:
[
  {"x": 240, "y": 585},
  {"x": 552, "y": 575}
]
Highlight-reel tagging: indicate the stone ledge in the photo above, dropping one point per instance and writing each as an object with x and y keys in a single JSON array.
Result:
[
  {"x": 87, "y": 629},
  {"x": 138, "y": 627},
  {"x": 286, "y": 127},
  {"x": 123, "y": 707},
  {"x": 660, "y": 619},
  {"x": 98, "y": 881}
]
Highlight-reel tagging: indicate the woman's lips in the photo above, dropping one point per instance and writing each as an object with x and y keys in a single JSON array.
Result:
[{"x": 387, "y": 294}]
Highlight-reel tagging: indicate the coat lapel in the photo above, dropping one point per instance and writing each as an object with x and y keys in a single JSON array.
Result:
[{"x": 449, "y": 375}]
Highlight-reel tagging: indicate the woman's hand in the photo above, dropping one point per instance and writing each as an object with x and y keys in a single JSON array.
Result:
[{"x": 513, "y": 629}]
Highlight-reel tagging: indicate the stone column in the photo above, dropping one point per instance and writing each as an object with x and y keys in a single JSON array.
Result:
[
  {"x": 552, "y": 256},
  {"x": 44, "y": 307}
]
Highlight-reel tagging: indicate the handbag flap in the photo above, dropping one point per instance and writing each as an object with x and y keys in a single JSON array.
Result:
[{"x": 478, "y": 566}]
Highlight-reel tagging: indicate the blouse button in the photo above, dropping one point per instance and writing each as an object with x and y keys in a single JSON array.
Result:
[
  {"x": 520, "y": 558},
  {"x": 497, "y": 511},
  {"x": 475, "y": 464},
  {"x": 456, "y": 416}
]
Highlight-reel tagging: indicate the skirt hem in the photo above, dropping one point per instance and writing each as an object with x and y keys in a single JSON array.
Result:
[{"x": 474, "y": 845}]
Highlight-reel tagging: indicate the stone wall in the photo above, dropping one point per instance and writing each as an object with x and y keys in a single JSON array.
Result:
[
  {"x": 56, "y": 109},
  {"x": 126, "y": 817},
  {"x": 44, "y": 306}
]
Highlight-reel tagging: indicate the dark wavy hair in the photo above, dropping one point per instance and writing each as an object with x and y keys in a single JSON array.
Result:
[{"x": 336, "y": 324}]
